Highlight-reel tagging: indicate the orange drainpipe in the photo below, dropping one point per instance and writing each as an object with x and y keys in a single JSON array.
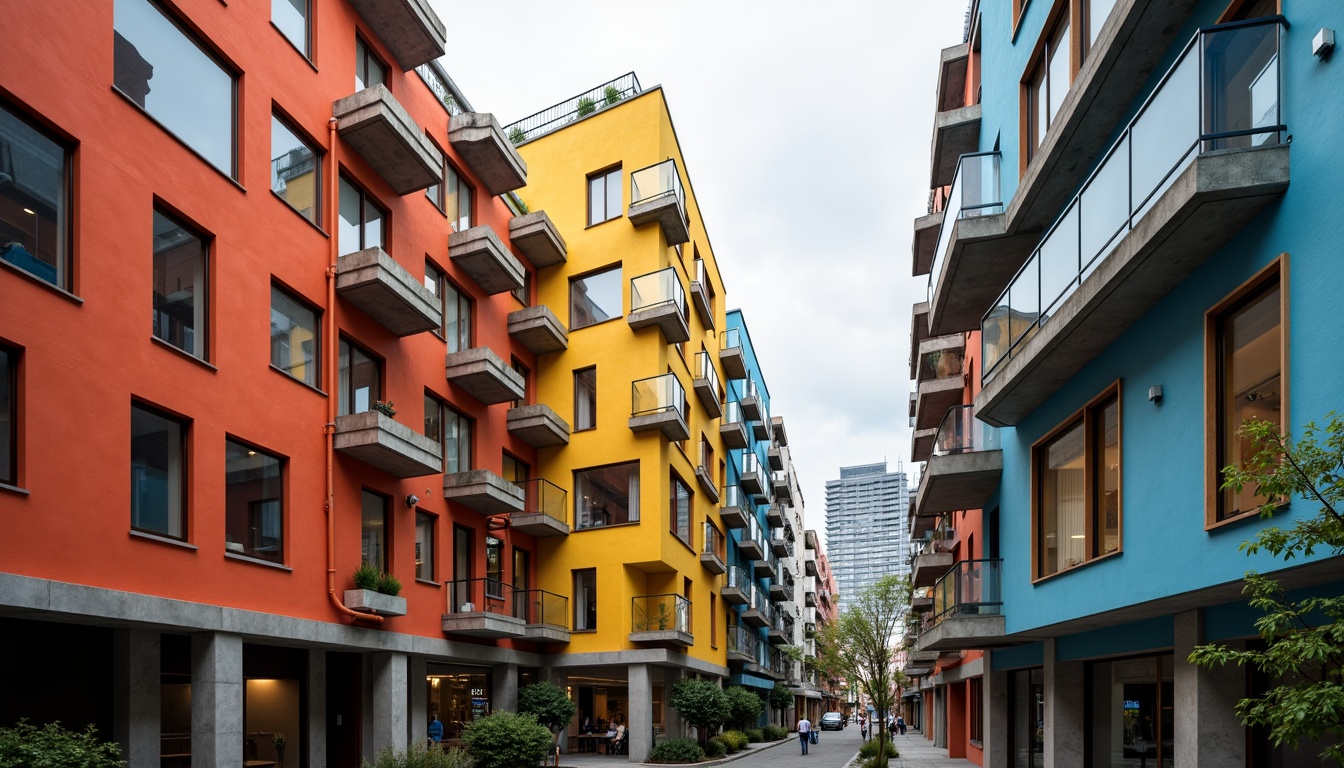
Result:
[{"x": 333, "y": 352}]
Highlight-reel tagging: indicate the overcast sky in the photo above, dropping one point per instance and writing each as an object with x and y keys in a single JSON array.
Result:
[{"x": 806, "y": 129}]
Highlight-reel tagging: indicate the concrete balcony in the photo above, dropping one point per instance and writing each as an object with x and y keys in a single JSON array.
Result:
[
  {"x": 926, "y": 240},
  {"x": 752, "y": 478},
  {"x": 546, "y": 615},
  {"x": 656, "y": 196},
  {"x": 919, "y": 328},
  {"x": 938, "y": 357},
  {"x": 732, "y": 429},
  {"x": 385, "y": 444},
  {"x": 538, "y": 329},
  {"x": 750, "y": 402},
  {"x": 482, "y": 374},
  {"x": 482, "y": 608},
  {"x": 921, "y": 604},
  {"x": 736, "y": 588},
  {"x": 384, "y": 290},
  {"x": 761, "y": 428},
  {"x": 538, "y": 426},
  {"x": 916, "y": 669},
  {"x": 374, "y": 124},
  {"x": 779, "y": 485},
  {"x": 955, "y": 132},
  {"x": 656, "y": 404},
  {"x": 810, "y": 567},
  {"x": 658, "y": 299},
  {"x": 810, "y": 541},
  {"x": 487, "y": 152},
  {"x": 480, "y": 253},
  {"x": 706, "y": 385},
  {"x": 757, "y": 611},
  {"x": 778, "y": 544},
  {"x": 410, "y": 29},
  {"x": 731, "y": 357},
  {"x": 774, "y": 517},
  {"x": 736, "y": 508},
  {"x": 970, "y": 600},
  {"x": 662, "y": 620},
  {"x": 749, "y": 542},
  {"x": 705, "y": 480},
  {"x": 965, "y": 468},
  {"x": 810, "y": 598},
  {"x": 713, "y": 549},
  {"x": 702, "y": 295},
  {"x": 953, "y": 64},
  {"x": 483, "y": 491},
  {"x": 536, "y": 237},
  {"x": 545, "y": 510},
  {"x": 933, "y": 398},
  {"x": 929, "y": 567},
  {"x": 742, "y": 646},
  {"x": 779, "y": 593},
  {"x": 921, "y": 444},
  {"x": 767, "y": 568},
  {"x": 777, "y": 429}
]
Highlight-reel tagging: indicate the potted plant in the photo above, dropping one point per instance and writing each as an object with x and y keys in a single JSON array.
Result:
[
  {"x": 611, "y": 95},
  {"x": 586, "y": 106},
  {"x": 375, "y": 592},
  {"x": 278, "y": 739},
  {"x": 385, "y": 408},
  {"x": 516, "y": 135}
]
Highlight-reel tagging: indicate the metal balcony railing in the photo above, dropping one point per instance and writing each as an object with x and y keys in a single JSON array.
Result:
[
  {"x": 971, "y": 588},
  {"x": 704, "y": 369},
  {"x": 482, "y": 595},
  {"x": 569, "y": 110},
  {"x": 713, "y": 541},
  {"x": 961, "y": 432}
]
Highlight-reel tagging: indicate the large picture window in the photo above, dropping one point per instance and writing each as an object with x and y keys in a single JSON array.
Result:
[
  {"x": 170, "y": 75},
  {"x": 604, "y": 196},
  {"x": 158, "y": 473},
  {"x": 1077, "y": 510},
  {"x": 254, "y": 507},
  {"x": 179, "y": 286},
  {"x": 594, "y": 298},
  {"x": 296, "y": 174},
  {"x": 294, "y": 337},
  {"x": 34, "y": 200},
  {"x": 607, "y": 495}
]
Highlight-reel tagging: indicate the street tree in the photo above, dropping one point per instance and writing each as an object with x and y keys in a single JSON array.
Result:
[
  {"x": 744, "y": 707},
  {"x": 701, "y": 703},
  {"x": 781, "y": 698},
  {"x": 1303, "y": 654},
  {"x": 549, "y": 704}
]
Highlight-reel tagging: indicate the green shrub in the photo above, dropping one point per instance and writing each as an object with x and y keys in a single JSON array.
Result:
[
  {"x": 507, "y": 740},
  {"x": 417, "y": 755},
  {"x": 775, "y": 733},
  {"x": 869, "y": 749},
  {"x": 516, "y": 135},
  {"x": 367, "y": 577},
  {"x": 586, "y": 106},
  {"x": 744, "y": 707},
  {"x": 611, "y": 95},
  {"x": 677, "y": 751},
  {"x": 52, "y": 746},
  {"x": 736, "y": 740},
  {"x": 389, "y": 585},
  {"x": 755, "y": 735},
  {"x": 715, "y": 747}
]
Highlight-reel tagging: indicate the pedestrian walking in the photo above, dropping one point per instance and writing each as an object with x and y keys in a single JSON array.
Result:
[{"x": 804, "y": 732}]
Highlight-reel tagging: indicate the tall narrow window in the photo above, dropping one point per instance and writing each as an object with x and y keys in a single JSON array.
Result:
[
  {"x": 34, "y": 200},
  {"x": 369, "y": 71},
  {"x": 456, "y": 309},
  {"x": 361, "y": 224},
  {"x": 680, "y": 510},
  {"x": 494, "y": 567},
  {"x": 294, "y": 337},
  {"x": 585, "y": 399},
  {"x": 254, "y": 505},
  {"x": 159, "y": 66},
  {"x": 374, "y": 530},
  {"x": 585, "y": 600},
  {"x": 522, "y": 587},
  {"x": 424, "y": 546},
  {"x": 515, "y": 470},
  {"x": 463, "y": 567},
  {"x": 604, "y": 196},
  {"x": 158, "y": 473},
  {"x": 1048, "y": 83},
  {"x": 179, "y": 286},
  {"x": 291, "y": 18},
  {"x": 9, "y": 416},
  {"x": 607, "y": 495},
  {"x": 452, "y": 430},
  {"x": 296, "y": 174},
  {"x": 595, "y": 298},
  {"x": 457, "y": 200},
  {"x": 1246, "y": 335},
  {"x": 526, "y": 374},
  {"x": 360, "y": 384}
]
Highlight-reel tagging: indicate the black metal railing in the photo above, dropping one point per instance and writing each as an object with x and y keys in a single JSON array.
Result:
[{"x": 571, "y": 109}]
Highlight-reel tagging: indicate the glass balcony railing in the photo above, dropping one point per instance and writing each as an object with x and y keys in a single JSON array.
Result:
[
  {"x": 704, "y": 369},
  {"x": 733, "y": 413},
  {"x": 1222, "y": 93},
  {"x": 750, "y": 463},
  {"x": 971, "y": 588},
  {"x": 700, "y": 273},
  {"x": 734, "y": 497},
  {"x": 541, "y": 495},
  {"x": 975, "y": 192},
  {"x": 660, "y": 613},
  {"x": 961, "y": 432},
  {"x": 751, "y": 533},
  {"x": 655, "y": 181},
  {"x": 731, "y": 339},
  {"x": 657, "y": 288},
  {"x": 713, "y": 541},
  {"x": 743, "y": 641},
  {"x": 537, "y": 606},
  {"x": 658, "y": 394},
  {"x": 749, "y": 386},
  {"x": 737, "y": 578},
  {"x": 759, "y": 601}
]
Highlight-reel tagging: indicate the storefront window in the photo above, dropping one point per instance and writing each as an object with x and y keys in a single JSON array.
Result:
[
  {"x": 1132, "y": 715},
  {"x": 457, "y": 696},
  {"x": 1026, "y": 698}
]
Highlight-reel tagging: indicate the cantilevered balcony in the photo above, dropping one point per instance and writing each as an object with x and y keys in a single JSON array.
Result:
[
  {"x": 736, "y": 507},
  {"x": 409, "y": 29},
  {"x": 736, "y": 588},
  {"x": 953, "y": 68},
  {"x": 656, "y": 195},
  {"x": 1203, "y": 156},
  {"x": 538, "y": 329},
  {"x": 774, "y": 516},
  {"x": 766, "y": 567},
  {"x": 810, "y": 597},
  {"x": 658, "y": 299},
  {"x": 750, "y": 540},
  {"x": 968, "y": 609},
  {"x": 545, "y": 509},
  {"x": 535, "y": 235},
  {"x": 742, "y": 645},
  {"x": 761, "y": 428},
  {"x": 921, "y": 444},
  {"x": 750, "y": 400},
  {"x": 384, "y": 443},
  {"x": 483, "y": 491},
  {"x": 487, "y": 152},
  {"x": 705, "y": 479},
  {"x": 752, "y": 478},
  {"x": 779, "y": 544},
  {"x": 482, "y": 608},
  {"x": 810, "y": 567},
  {"x": 661, "y": 619},
  {"x": 779, "y": 484},
  {"x": 810, "y": 540},
  {"x": 731, "y": 356},
  {"x": 377, "y": 127},
  {"x": 945, "y": 388},
  {"x": 913, "y": 668},
  {"x": 777, "y": 429},
  {"x": 775, "y": 634},
  {"x": 779, "y": 593},
  {"x": 956, "y": 132},
  {"x": 480, "y": 253},
  {"x": 926, "y": 240},
  {"x": 656, "y": 404},
  {"x": 546, "y": 615},
  {"x": 706, "y": 385},
  {"x": 713, "y": 551},
  {"x": 702, "y": 295},
  {"x": 538, "y": 426},
  {"x": 921, "y": 600},
  {"x": 774, "y": 458},
  {"x": 929, "y": 566},
  {"x": 387, "y": 292},
  {"x": 757, "y": 610},
  {"x": 965, "y": 468},
  {"x": 733, "y": 428},
  {"x": 482, "y": 374}
]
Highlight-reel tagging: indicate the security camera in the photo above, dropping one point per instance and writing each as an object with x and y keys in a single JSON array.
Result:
[{"x": 412, "y": 500}]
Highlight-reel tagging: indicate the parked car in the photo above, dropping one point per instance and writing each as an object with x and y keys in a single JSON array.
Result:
[{"x": 832, "y": 721}]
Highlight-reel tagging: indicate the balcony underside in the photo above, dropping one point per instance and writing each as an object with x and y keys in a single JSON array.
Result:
[
  {"x": 733, "y": 517},
  {"x": 546, "y": 633},
  {"x": 751, "y": 407},
  {"x": 483, "y": 491},
  {"x": 708, "y": 396},
  {"x": 376, "y": 126},
  {"x": 752, "y": 483},
  {"x": 966, "y": 632},
  {"x": 916, "y": 670},
  {"x": 761, "y": 429},
  {"x": 930, "y": 567},
  {"x": 706, "y": 484},
  {"x": 483, "y": 256},
  {"x": 736, "y": 657},
  {"x": 921, "y": 444},
  {"x": 409, "y": 28},
  {"x": 934, "y": 398},
  {"x": 664, "y": 637},
  {"x": 669, "y": 422},
  {"x": 483, "y": 624},
  {"x": 734, "y": 434},
  {"x": 920, "y": 524},
  {"x": 712, "y": 563},
  {"x": 538, "y": 329},
  {"x": 952, "y": 65},
  {"x": 667, "y": 316},
  {"x": 774, "y": 516},
  {"x": 781, "y": 489},
  {"x": 981, "y": 260},
  {"x": 535, "y": 235},
  {"x": 733, "y": 362},
  {"x": 959, "y": 481},
  {"x": 781, "y": 436},
  {"x": 755, "y": 618},
  {"x": 538, "y": 524},
  {"x": 776, "y": 460},
  {"x": 925, "y": 243},
  {"x": 489, "y": 154},
  {"x": 780, "y": 547},
  {"x": 764, "y": 569},
  {"x": 1204, "y": 207},
  {"x": 388, "y": 445},
  {"x": 385, "y": 291},
  {"x": 919, "y": 325},
  {"x": 482, "y": 374},
  {"x": 956, "y": 132},
  {"x": 751, "y": 549},
  {"x": 538, "y": 426},
  {"x": 776, "y": 637},
  {"x": 700, "y": 298},
  {"x": 733, "y": 596},
  {"x": 778, "y": 593},
  {"x": 664, "y": 210},
  {"x": 951, "y": 346},
  {"x": 921, "y": 604}
]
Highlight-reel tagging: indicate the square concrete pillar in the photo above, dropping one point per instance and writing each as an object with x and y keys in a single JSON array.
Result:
[
  {"x": 316, "y": 726},
  {"x": 505, "y": 693},
  {"x": 675, "y": 726},
  {"x": 1209, "y": 733},
  {"x": 1064, "y": 724},
  {"x": 995, "y": 717},
  {"x": 388, "y": 687},
  {"x": 136, "y": 696},
  {"x": 640, "y": 724},
  {"x": 418, "y": 719},
  {"x": 216, "y": 700}
]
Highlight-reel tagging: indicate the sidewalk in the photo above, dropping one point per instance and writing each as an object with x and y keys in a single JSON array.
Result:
[{"x": 918, "y": 752}]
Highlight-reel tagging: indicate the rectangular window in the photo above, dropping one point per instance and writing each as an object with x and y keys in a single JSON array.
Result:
[
  {"x": 158, "y": 473},
  {"x": 607, "y": 495},
  {"x": 1246, "y": 382},
  {"x": 526, "y": 374},
  {"x": 462, "y": 566},
  {"x": 1077, "y": 471},
  {"x": 34, "y": 200},
  {"x": 680, "y": 510},
  {"x": 453, "y": 431},
  {"x": 585, "y": 600},
  {"x": 361, "y": 224},
  {"x": 604, "y": 196},
  {"x": 1131, "y": 713},
  {"x": 585, "y": 399},
  {"x": 374, "y": 530},
  {"x": 522, "y": 584},
  {"x": 514, "y": 470},
  {"x": 369, "y": 71},
  {"x": 291, "y": 18},
  {"x": 494, "y": 567},
  {"x": 294, "y": 337},
  {"x": 976, "y": 727},
  {"x": 424, "y": 546},
  {"x": 162, "y": 68},
  {"x": 9, "y": 416},
  {"x": 179, "y": 286},
  {"x": 360, "y": 379},
  {"x": 254, "y": 507},
  {"x": 456, "y": 309},
  {"x": 457, "y": 200},
  {"x": 595, "y": 298},
  {"x": 296, "y": 170},
  {"x": 1049, "y": 83}
]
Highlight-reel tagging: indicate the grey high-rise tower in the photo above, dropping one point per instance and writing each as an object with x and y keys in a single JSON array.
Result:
[{"x": 867, "y": 530}]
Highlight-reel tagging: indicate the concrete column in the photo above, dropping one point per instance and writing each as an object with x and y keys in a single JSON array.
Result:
[
  {"x": 317, "y": 709},
  {"x": 1208, "y": 733},
  {"x": 995, "y": 717},
  {"x": 136, "y": 696},
  {"x": 675, "y": 725},
  {"x": 216, "y": 700},
  {"x": 640, "y": 724},
  {"x": 418, "y": 719},
  {"x": 1064, "y": 724},
  {"x": 388, "y": 686},
  {"x": 505, "y": 693}
]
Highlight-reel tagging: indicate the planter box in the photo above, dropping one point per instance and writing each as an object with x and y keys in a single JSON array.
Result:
[{"x": 368, "y": 601}]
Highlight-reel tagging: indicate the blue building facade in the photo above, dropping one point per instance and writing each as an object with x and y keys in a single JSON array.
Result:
[{"x": 1133, "y": 240}]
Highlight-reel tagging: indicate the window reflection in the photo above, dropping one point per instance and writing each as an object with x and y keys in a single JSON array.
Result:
[
  {"x": 179, "y": 286},
  {"x": 295, "y": 172},
  {"x": 595, "y": 298},
  {"x": 33, "y": 195}
]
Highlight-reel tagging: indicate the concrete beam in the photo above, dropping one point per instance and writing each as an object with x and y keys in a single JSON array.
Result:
[
  {"x": 1210, "y": 734},
  {"x": 1064, "y": 723},
  {"x": 958, "y": 481}
]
